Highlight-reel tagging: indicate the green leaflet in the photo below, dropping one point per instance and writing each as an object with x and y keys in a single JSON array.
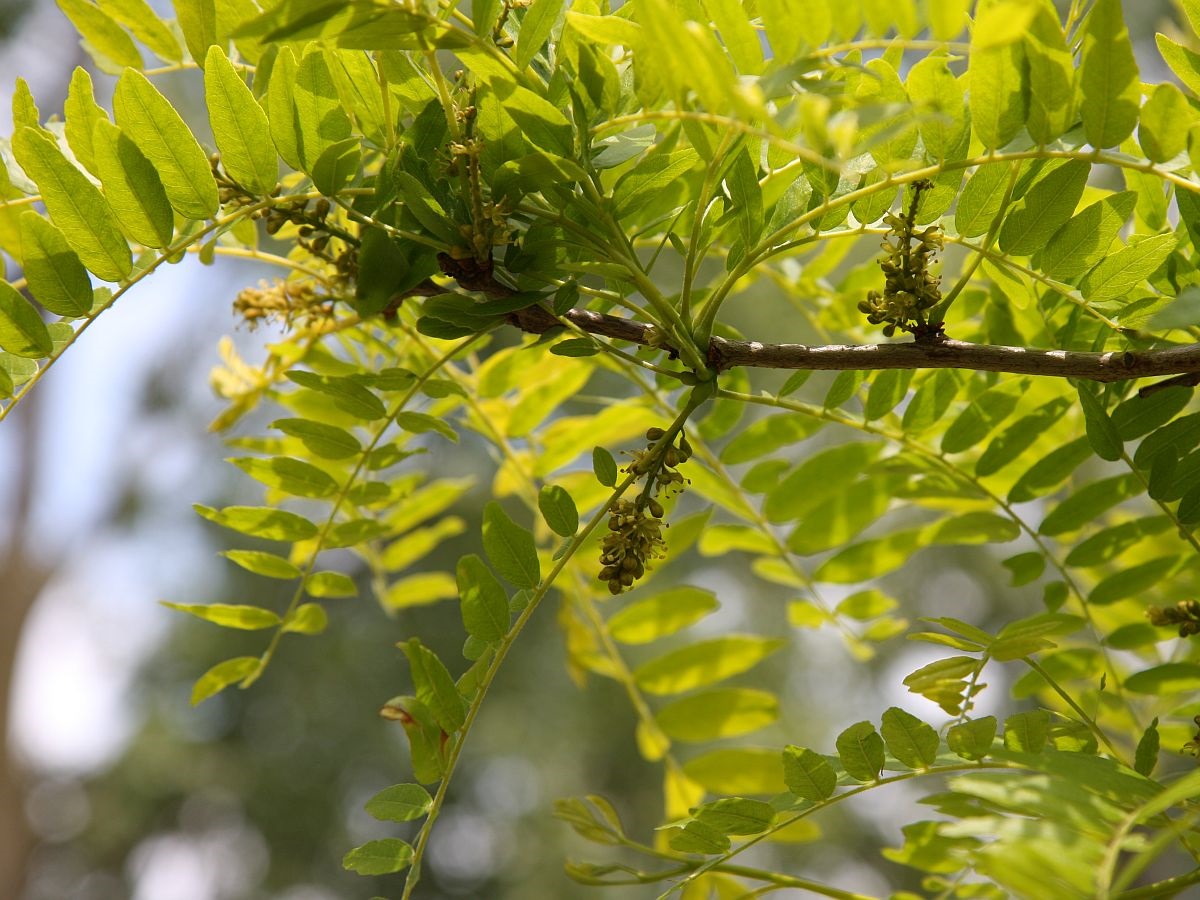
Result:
[
  {"x": 890, "y": 138},
  {"x": 640, "y": 184},
  {"x": 1108, "y": 77},
  {"x": 434, "y": 686},
  {"x": 938, "y": 97},
  {"x": 1088, "y": 502},
  {"x": 1109, "y": 543},
  {"x": 1132, "y": 582},
  {"x": 308, "y": 618},
  {"x": 978, "y": 420},
  {"x": 132, "y": 187},
  {"x": 1101, "y": 432},
  {"x": 261, "y": 521},
  {"x": 22, "y": 331},
  {"x": 910, "y": 740},
  {"x": 1118, "y": 274},
  {"x": 558, "y": 509},
  {"x": 379, "y": 857},
  {"x": 1050, "y": 471},
  {"x": 744, "y": 190},
  {"x": 861, "y": 750},
  {"x": 790, "y": 33},
  {"x": 972, "y": 739},
  {"x": 931, "y": 400},
  {"x": 484, "y": 603},
  {"x": 109, "y": 44},
  {"x": 818, "y": 477},
  {"x": 768, "y": 434},
  {"x": 24, "y": 109},
  {"x": 1184, "y": 63},
  {"x": 841, "y": 516},
  {"x": 81, "y": 113},
  {"x": 327, "y": 441},
  {"x": 535, "y": 29},
  {"x": 56, "y": 277},
  {"x": 347, "y": 394},
  {"x": 281, "y": 108},
  {"x": 887, "y": 389},
  {"x": 736, "y": 815},
  {"x": 738, "y": 771},
  {"x": 808, "y": 774},
  {"x": 269, "y": 565},
  {"x": 704, "y": 663},
  {"x": 997, "y": 87},
  {"x": 198, "y": 22},
  {"x": 1084, "y": 240},
  {"x": 75, "y": 205},
  {"x": 1051, "y": 77},
  {"x": 154, "y": 125},
  {"x": 661, "y": 615},
  {"x": 1165, "y": 121},
  {"x": 1010, "y": 444},
  {"x": 292, "y": 476},
  {"x": 222, "y": 675},
  {"x": 330, "y": 584},
  {"x": 400, "y": 803},
  {"x": 981, "y": 199},
  {"x": 1046, "y": 206},
  {"x": 239, "y": 126},
  {"x": 320, "y": 120},
  {"x": 716, "y": 714},
  {"x": 1026, "y": 731},
  {"x": 510, "y": 548},
  {"x": 147, "y": 27},
  {"x": 247, "y": 618}
]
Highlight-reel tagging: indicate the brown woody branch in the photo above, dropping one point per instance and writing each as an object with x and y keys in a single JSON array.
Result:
[
  {"x": 924, "y": 353},
  {"x": 936, "y": 354}
]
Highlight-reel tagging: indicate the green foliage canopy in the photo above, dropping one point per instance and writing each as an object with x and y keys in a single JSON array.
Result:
[{"x": 623, "y": 189}]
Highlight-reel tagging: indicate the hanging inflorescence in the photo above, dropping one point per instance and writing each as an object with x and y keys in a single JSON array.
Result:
[
  {"x": 635, "y": 526},
  {"x": 910, "y": 289}
]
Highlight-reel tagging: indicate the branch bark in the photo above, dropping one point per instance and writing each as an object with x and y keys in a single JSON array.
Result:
[
  {"x": 925, "y": 354},
  {"x": 934, "y": 352}
]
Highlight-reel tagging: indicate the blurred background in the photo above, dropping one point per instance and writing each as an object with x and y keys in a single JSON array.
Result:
[{"x": 113, "y": 786}]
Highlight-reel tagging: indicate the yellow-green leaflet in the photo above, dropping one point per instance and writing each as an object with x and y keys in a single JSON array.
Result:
[
  {"x": 281, "y": 110},
  {"x": 320, "y": 120},
  {"x": 56, "y": 277},
  {"x": 147, "y": 27},
  {"x": 997, "y": 89},
  {"x": 1108, "y": 77},
  {"x": 239, "y": 126},
  {"x": 22, "y": 331},
  {"x": 75, "y": 205},
  {"x": 148, "y": 117},
  {"x": 108, "y": 42},
  {"x": 24, "y": 108},
  {"x": 132, "y": 187},
  {"x": 198, "y": 22},
  {"x": 81, "y": 113}
]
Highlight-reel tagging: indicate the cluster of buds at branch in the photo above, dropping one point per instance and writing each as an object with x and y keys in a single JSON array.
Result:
[
  {"x": 635, "y": 526},
  {"x": 909, "y": 287},
  {"x": 288, "y": 302},
  {"x": 1185, "y": 614}
]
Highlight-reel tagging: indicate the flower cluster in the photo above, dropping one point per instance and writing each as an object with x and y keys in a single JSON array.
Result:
[
  {"x": 909, "y": 287},
  {"x": 635, "y": 526},
  {"x": 288, "y": 302},
  {"x": 1185, "y": 614}
]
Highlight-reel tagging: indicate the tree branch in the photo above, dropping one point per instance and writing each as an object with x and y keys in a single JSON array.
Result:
[{"x": 925, "y": 354}]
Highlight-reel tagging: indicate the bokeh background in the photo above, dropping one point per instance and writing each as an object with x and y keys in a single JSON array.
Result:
[{"x": 113, "y": 786}]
